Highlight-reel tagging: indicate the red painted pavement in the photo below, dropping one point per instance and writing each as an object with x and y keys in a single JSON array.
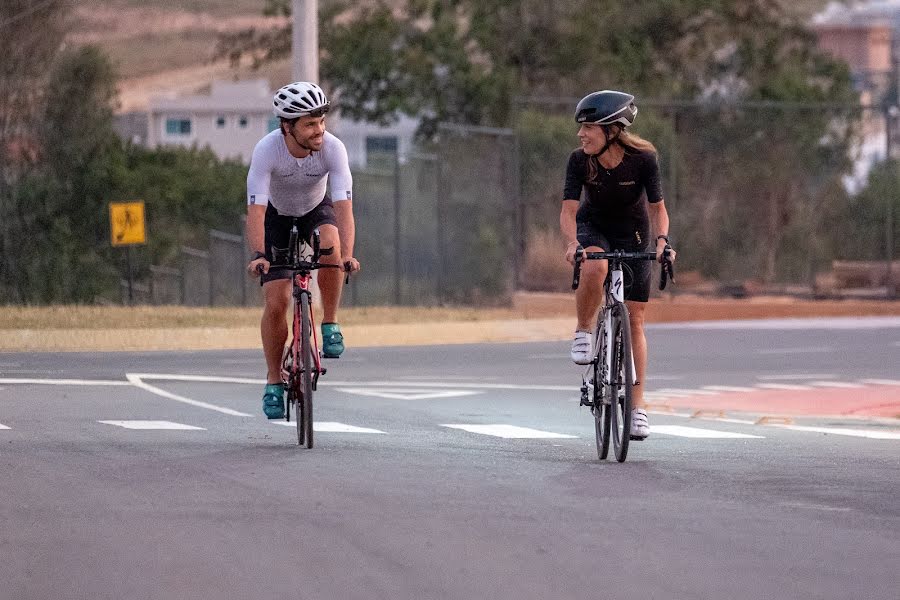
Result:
[{"x": 870, "y": 401}]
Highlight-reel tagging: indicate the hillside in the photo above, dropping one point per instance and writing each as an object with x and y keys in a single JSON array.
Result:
[
  {"x": 165, "y": 47},
  {"x": 160, "y": 50}
]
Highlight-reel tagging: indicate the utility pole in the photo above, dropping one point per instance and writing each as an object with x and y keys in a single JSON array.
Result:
[
  {"x": 305, "y": 40},
  {"x": 891, "y": 114}
]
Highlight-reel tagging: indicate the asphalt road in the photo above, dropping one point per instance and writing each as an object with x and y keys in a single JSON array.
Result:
[{"x": 414, "y": 492}]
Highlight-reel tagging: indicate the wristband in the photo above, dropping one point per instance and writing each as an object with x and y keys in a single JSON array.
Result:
[
  {"x": 662, "y": 237},
  {"x": 257, "y": 255}
]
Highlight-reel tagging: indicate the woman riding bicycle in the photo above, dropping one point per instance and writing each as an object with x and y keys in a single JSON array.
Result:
[{"x": 623, "y": 203}]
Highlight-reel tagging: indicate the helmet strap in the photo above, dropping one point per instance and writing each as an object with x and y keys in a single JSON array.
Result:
[{"x": 609, "y": 141}]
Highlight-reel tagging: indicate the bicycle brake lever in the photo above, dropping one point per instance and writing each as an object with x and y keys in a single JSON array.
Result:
[{"x": 576, "y": 276}]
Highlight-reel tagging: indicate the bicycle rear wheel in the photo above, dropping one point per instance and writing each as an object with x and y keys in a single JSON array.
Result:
[
  {"x": 600, "y": 407},
  {"x": 305, "y": 383},
  {"x": 621, "y": 381}
]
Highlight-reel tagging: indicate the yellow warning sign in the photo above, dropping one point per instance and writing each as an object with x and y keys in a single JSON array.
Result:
[{"x": 126, "y": 223}]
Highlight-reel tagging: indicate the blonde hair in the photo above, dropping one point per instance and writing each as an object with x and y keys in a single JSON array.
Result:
[{"x": 626, "y": 139}]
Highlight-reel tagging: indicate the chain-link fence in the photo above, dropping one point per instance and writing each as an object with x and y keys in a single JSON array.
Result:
[{"x": 761, "y": 195}]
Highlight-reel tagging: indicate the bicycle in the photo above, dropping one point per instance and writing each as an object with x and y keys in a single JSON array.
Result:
[
  {"x": 607, "y": 382},
  {"x": 301, "y": 363}
]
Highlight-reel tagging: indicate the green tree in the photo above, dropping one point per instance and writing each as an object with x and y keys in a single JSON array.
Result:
[{"x": 62, "y": 201}]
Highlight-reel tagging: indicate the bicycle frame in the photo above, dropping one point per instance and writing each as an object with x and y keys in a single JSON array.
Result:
[
  {"x": 606, "y": 384},
  {"x": 300, "y": 287}
]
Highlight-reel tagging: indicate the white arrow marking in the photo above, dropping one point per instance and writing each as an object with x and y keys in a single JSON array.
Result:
[
  {"x": 510, "y": 431},
  {"x": 409, "y": 394},
  {"x": 152, "y": 425},
  {"x": 695, "y": 432},
  {"x": 333, "y": 427}
]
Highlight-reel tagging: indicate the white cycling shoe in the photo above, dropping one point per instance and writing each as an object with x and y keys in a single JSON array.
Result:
[
  {"x": 581, "y": 348},
  {"x": 640, "y": 424}
]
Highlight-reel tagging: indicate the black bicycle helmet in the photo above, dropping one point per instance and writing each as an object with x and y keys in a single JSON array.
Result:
[{"x": 606, "y": 107}]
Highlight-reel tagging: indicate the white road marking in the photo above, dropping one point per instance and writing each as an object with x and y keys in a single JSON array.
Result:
[
  {"x": 809, "y": 506},
  {"x": 686, "y": 392},
  {"x": 333, "y": 427},
  {"x": 864, "y": 433},
  {"x": 448, "y": 377},
  {"x": 837, "y": 384},
  {"x": 729, "y": 388},
  {"x": 806, "y": 350},
  {"x": 2, "y": 426},
  {"x": 783, "y": 386},
  {"x": 12, "y": 381},
  {"x": 152, "y": 425},
  {"x": 197, "y": 378},
  {"x": 730, "y": 420},
  {"x": 136, "y": 381},
  {"x": 695, "y": 432},
  {"x": 456, "y": 384},
  {"x": 787, "y": 377},
  {"x": 509, "y": 431},
  {"x": 382, "y": 383},
  {"x": 853, "y": 323},
  {"x": 881, "y": 381},
  {"x": 411, "y": 394}
]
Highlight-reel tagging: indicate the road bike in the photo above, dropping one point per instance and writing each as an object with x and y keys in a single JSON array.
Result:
[
  {"x": 607, "y": 381},
  {"x": 302, "y": 363}
]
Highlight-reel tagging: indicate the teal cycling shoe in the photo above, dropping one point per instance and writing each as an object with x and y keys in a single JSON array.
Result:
[
  {"x": 273, "y": 401},
  {"x": 332, "y": 340}
]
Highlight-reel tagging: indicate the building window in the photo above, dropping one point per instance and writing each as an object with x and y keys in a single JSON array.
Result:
[
  {"x": 273, "y": 123},
  {"x": 242, "y": 122},
  {"x": 178, "y": 127},
  {"x": 220, "y": 122},
  {"x": 381, "y": 151}
]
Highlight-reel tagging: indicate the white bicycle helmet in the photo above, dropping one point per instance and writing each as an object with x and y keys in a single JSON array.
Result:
[{"x": 300, "y": 99}]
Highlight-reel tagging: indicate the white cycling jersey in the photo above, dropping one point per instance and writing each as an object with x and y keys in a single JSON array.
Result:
[{"x": 295, "y": 186}]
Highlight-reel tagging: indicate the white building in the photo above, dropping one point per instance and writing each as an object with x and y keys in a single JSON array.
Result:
[
  {"x": 233, "y": 117},
  {"x": 230, "y": 120}
]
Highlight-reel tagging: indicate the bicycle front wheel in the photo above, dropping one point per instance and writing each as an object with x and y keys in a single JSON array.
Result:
[
  {"x": 621, "y": 380},
  {"x": 305, "y": 420},
  {"x": 600, "y": 404}
]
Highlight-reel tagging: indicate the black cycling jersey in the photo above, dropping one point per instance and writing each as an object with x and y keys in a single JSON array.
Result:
[{"x": 614, "y": 203}]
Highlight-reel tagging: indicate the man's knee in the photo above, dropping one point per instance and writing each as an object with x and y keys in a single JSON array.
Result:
[
  {"x": 329, "y": 243},
  {"x": 277, "y": 295}
]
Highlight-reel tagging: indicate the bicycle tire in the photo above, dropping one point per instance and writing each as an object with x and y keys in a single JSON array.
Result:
[
  {"x": 286, "y": 379},
  {"x": 621, "y": 381},
  {"x": 305, "y": 391},
  {"x": 600, "y": 409}
]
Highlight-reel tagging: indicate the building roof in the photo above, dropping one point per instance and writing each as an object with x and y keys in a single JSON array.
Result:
[
  {"x": 860, "y": 14},
  {"x": 253, "y": 96}
]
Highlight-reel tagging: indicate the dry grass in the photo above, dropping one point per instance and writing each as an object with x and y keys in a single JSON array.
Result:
[
  {"x": 546, "y": 269},
  {"x": 525, "y": 306},
  {"x": 158, "y": 317}
]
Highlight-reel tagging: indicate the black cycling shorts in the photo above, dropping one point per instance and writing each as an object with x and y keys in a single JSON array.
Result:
[
  {"x": 637, "y": 272},
  {"x": 278, "y": 232}
]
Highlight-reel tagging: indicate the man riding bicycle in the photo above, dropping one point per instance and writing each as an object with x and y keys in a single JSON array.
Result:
[
  {"x": 290, "y": 171},
  {"x": 619, "y": 174}
]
